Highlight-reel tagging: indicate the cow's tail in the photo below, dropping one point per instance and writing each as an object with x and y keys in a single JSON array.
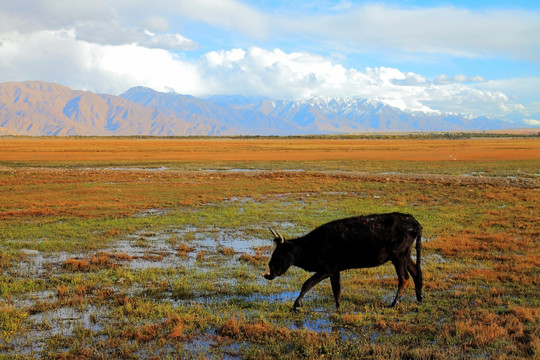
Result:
[{"x": 419, "y": 281}]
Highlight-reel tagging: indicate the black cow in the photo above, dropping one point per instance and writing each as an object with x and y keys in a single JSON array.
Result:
[{"x": 356, "y": 242}]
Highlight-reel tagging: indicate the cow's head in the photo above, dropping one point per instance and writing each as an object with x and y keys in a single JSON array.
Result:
[{"x": 281, "y": 259}]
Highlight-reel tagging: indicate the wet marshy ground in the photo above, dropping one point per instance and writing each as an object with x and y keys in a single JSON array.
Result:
[
  {"x": 215, "y": 270},
  {"x": 150, "y": 268}
]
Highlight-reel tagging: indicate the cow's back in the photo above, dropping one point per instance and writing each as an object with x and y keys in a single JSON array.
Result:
[{"x": 361, "y": 241}]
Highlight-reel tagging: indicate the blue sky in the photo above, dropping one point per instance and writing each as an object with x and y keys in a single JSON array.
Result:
[
  {"x": 431, "y": 64},
  {"x": 472, "y": 57}
]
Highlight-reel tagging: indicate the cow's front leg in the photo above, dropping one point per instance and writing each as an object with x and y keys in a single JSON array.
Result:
[
  {"x": 336, "y": 288},
  {"x": 311, "y": 282}
]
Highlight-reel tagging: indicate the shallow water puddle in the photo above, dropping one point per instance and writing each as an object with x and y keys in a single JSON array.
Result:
[
  {"x": 38, "y": 265},
  {"x": 146, "y": 250},
  {"x": 234, "y": 239},
  {"x": 149, "y": 250},
  {"x": 151, "y": 212},
  {"x": 63, "y": 321}
]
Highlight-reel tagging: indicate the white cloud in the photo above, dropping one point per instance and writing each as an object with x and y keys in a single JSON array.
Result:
[
  {"x": 524, "y": 90},
  {"x": 134, "y": 65},
  {"x": 166, "y": 41},
  {"x": 300, "y": 75},
  {"x": 225, "y": 14},
  {"x": 344, "y": 26},
  {"x": 60, "y": 56},
  {"x": 457, "y": 98},
  {"x": 273, "y": 73},
  {"x": 156, "y": 24},
  {"x": 532, "y": 122},
  {"x": 222, "y": 58},
  {"x": 436, "y": 30},
  {"x": 117, "y": 35},
  {"x": 109, "y": 46},
  {"x": 108, "y": 23},
  {"x": 459, "y": 78}
]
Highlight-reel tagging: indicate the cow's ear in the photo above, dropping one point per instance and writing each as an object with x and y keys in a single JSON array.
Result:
[{"x": 287, "y": 246}]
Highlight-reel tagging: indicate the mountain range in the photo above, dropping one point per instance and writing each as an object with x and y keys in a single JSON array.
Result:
[{"x": 38, "y": 108}]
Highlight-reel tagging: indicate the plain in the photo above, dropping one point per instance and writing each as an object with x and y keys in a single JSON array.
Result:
[{"x": 141, "y": 248}]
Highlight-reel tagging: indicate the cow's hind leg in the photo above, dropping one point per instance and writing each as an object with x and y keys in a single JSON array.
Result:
[
  {"x": 311, "y": 282},
  {"x": 417, "y": 277},
  {"x": 336, "y": 288},
  {"x": 403, "y": 279}
]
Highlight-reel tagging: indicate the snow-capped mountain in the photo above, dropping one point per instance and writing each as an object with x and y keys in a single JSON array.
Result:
[{"x": 39, "y": 108}]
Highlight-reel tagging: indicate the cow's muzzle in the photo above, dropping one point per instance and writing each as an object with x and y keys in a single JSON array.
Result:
[{"x": 269, "y": 276}]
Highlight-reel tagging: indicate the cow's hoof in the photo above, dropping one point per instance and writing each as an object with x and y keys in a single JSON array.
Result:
[{"x": 296, "y": 309}]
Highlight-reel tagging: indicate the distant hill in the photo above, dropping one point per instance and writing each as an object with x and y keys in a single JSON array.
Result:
[{"x": 39, "y": 108}]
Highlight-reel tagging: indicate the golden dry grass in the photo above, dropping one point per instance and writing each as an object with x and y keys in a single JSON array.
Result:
[{"x": 166, "y": 150}]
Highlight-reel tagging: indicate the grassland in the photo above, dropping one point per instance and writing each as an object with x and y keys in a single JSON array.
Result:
[{"x": 154, "y": 248}]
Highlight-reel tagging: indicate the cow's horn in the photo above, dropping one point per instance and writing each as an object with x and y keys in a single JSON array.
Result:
[
  {"x": 277, "y": 236},
  {"x": 281, "y": 239}
]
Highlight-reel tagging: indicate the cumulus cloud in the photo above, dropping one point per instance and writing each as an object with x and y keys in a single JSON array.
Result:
[
  {"x": 74, "y": 58},
  {"x": 459, "y": 78},
  {"x": 91, "y": 66},
  {"x": 277, "y": 74},
  {"x": 456, "y": 98},
  {"x": 273, "y": 73},
  {"x": 166, "y": 41},
  {"x": 108, "y": 46},
  {"x": 253, "y": 71},
  {"x": 524, "y": 90}
]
